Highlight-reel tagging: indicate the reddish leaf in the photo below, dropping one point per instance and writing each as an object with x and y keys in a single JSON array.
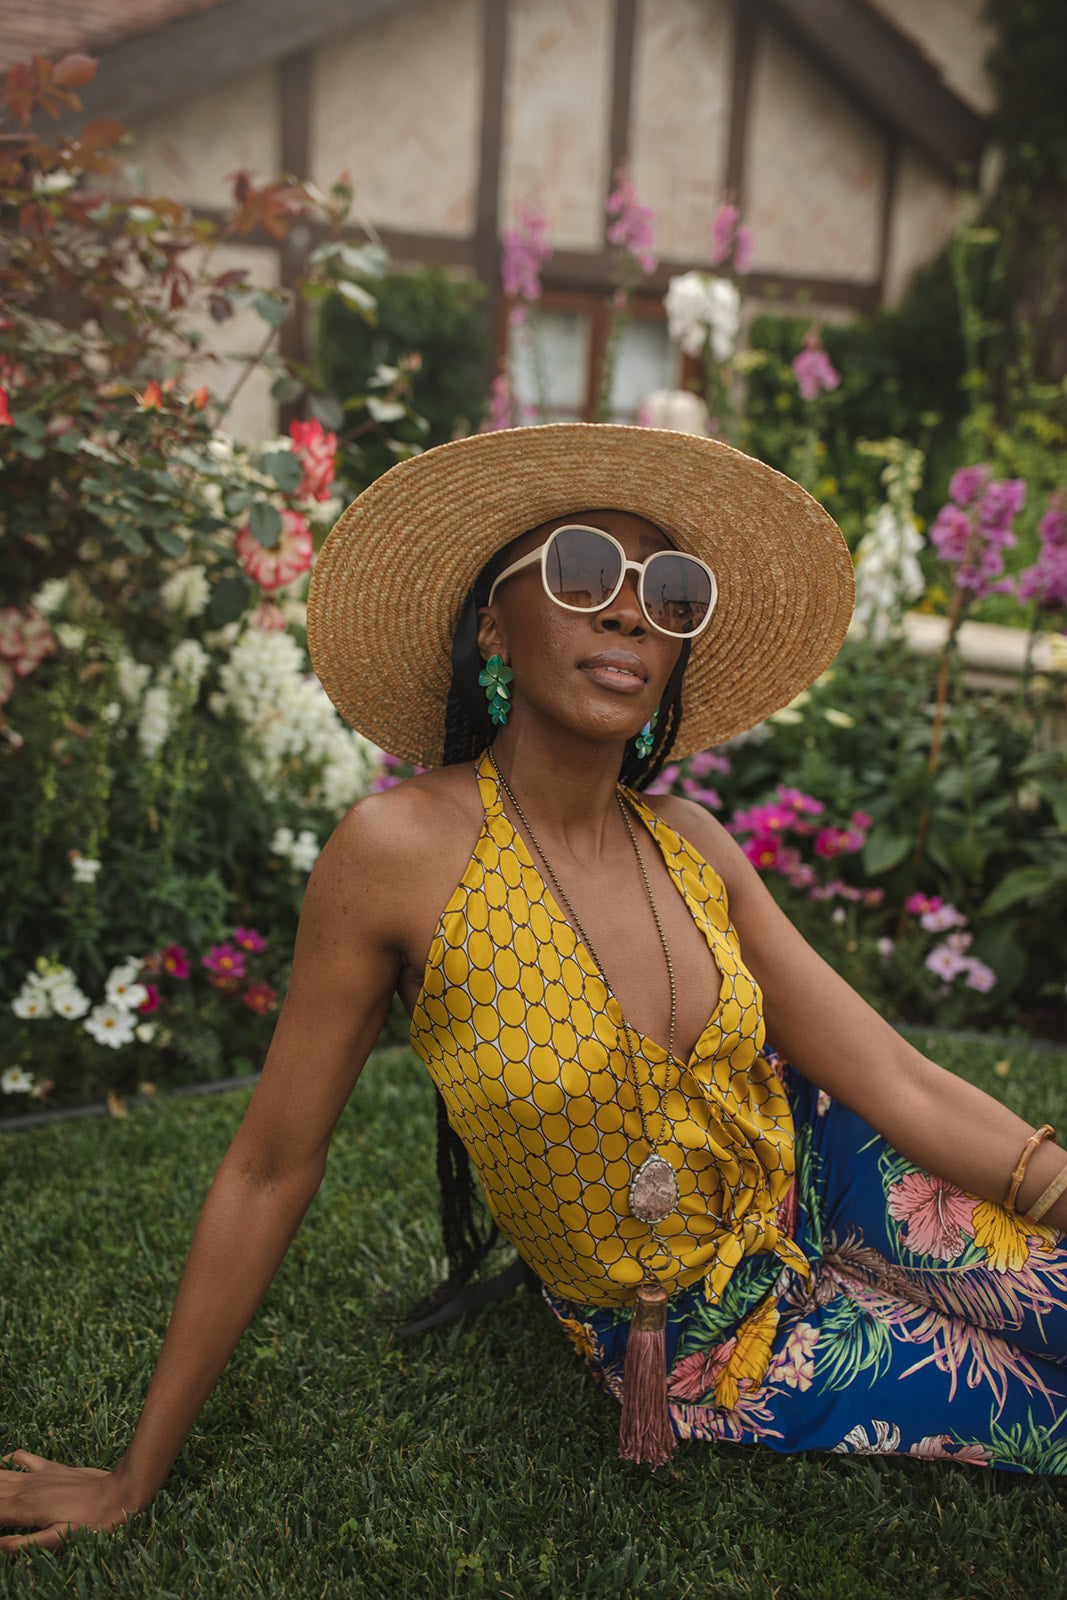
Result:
[
  {"x": 20, "y": 91},
  {"x": 100, "y": 134},
  {"x": 74, "y": 71}
]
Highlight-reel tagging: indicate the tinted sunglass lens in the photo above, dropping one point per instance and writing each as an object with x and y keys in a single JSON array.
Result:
[
  {"x": 582, "y": 568},
  {"x": 677, "y": 593}
]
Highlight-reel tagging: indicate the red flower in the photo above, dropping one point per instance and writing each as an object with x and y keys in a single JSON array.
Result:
[
  {"x": 268, "y": 618},
  {"x": 151, "y": 1003},
  {"x": 5, "y": 415},
  {"x": 292, "y": 555},
  {"x": 249, "y": 939},
  {"x": 152, "y": 399},
  {"x": 174, "y": 961},
  {"x": 261, "y": 998}
]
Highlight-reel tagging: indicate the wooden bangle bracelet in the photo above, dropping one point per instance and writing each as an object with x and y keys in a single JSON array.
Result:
[
  {"x": 1046, "y": 1131},
  {"x": 1049, "y": 1196}
]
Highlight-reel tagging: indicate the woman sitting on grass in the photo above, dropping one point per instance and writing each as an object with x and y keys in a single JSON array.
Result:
[{"x": 740, "y": 1247}]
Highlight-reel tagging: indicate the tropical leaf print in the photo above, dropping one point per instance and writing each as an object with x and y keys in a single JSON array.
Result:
[{"x": 1029, "y": 1445}]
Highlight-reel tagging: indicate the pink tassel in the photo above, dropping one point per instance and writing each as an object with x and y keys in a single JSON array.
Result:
[{"x": 645, "y": 1433}]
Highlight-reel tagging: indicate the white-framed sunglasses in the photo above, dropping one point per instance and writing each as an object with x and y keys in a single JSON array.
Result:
[{"x": 583, "y": 569}]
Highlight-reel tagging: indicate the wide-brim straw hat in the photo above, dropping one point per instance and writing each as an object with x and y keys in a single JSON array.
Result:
[{"x": 394, "y": 573}]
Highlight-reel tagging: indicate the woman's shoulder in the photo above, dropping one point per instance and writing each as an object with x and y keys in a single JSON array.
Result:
[{"x": 412, "y": 834}]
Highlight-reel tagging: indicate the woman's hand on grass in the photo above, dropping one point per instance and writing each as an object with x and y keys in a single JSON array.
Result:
[{"x": 53, "y": 1499}]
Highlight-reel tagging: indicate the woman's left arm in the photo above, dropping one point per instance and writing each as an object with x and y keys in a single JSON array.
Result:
[{"x": 934, "y": 1118}]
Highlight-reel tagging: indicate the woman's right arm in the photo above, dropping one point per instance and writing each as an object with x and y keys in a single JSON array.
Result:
[{"x": 345, "y": 968}]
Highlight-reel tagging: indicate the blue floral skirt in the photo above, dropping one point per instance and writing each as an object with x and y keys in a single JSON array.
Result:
[{"x": 933, "y": 1324}]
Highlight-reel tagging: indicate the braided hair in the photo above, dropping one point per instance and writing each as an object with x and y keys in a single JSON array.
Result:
[{"x": 468, "y": 732}]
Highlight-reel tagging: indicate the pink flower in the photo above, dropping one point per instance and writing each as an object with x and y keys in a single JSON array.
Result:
[
  {"x": 317, "y": 451},
  {"x": 523, "y": 253},
  {"x": 813, "y": 369},
  {"x": 730, "y": 237},
  {"x": 796, "y": 1364},
  {"x": 974, "y": 541},
  {"x": 632, "y": 228},
  {"x": 979, "y": 976},
  {"x": 174, "y": 961},
  {"x": 916, "y": 904},
  {"x": 5, "y": 415},
  {"x": 501, "y": 410},
  {"x": 763, "y": 853},
  {"x": 249, "y": 939},
  {"x": 838, "y": 842},
  {"x": 260, "y": 997},
  {"x": 803, "y": 877},
  {"x": 885, "y": 948},
  {"x": 25, "y": 639},
  {"x": 803, "y": 804},
  {"x": 225, "y": 961},
  {"x": 292, "y": 555},
  {"x": 708, "y": 761},
  {"x": 934, "y": 1214},
  {"x": 945, "y": 962},
  {"x": 151, "y": 1000},
  {"x": 268, "y": 618},
  {"x": 939, "y": 918}
]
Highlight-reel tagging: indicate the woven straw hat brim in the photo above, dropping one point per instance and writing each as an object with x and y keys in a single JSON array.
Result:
[{"x": 392, "y": 577}]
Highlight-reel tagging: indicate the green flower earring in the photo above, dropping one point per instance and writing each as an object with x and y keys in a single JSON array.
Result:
[
  {"x": 494, "y": 679},
  {"x": 644, "y": 741}
]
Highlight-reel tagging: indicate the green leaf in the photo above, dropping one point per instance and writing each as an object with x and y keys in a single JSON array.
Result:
[
  {"x": 1025, "y": 883},
  {"x": 171, "y": 543},
  {"x": 284, "y": 467},
  {"x": 29, "y": 422},
  {"x": 884, "y": 850},
  {"x": 327, "y": 410},
  {"x": 128, "y": 535},
  {"x": 285, "y": 389},
  {"x": 32, "y": 448},
  {"x": 271, "y": 310},
  {"x": 236, "y": 501},
  {"x": 229, "y": 600},
  {"x": 355, "y": 295},
  {"x": 265, "y": 524}
]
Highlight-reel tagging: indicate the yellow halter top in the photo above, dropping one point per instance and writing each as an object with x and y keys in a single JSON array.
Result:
[{"x": 527, "y": 1045}]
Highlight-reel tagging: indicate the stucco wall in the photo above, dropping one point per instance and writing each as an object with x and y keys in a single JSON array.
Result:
[
  {"x": 397, "y": 103},
  {"x": 254, "y": 415},
  {"x": 187, "y": 152},
  {"x": 557, "y": 111},
  {"x": 815, "y": 171},
  {"x": 680, "y": 117},
  {"x": 924, "y": 216}
]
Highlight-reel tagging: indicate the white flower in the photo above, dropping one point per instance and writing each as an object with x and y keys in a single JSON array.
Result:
[
  {"x": 84, "y": 868},
  {"x": 157, "y": 716},
  {"x": 839, "y": 719},
  {"x": 186, "y": 592},
  {"x": 70, "y": 637},
  {"x": 53, "y": 182},
  {"x": 305, "y": 851},
  {"x": 109, "y": 1025},
  {"x": 145, "y": 1032},
  {"x": 132, "y": 677},
  {"x": 123, "y": 988},
  {"x": 885, "y": 948},
  {"x": 50, "y": 596},
  {"x": 282, "y": 842},
  {"x": 69, "y": 1002},
  {"x": 675, "y": 409},
  {"x": 111, "y": 713},
  {"x": 888, "y": 575},
  {"x": 188, "y": 663},
  {"x": 33, "y": 1001},
  {"x": 15, "y": 1081},
  {"x": 698, "y": 304}
]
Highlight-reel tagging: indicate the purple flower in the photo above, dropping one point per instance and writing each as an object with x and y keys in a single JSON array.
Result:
[
  {"x": 966, "y": 483},
  {"x": 744, "y": 249},
  {"x": 523, "y": 253},
  {"x": 1046, "y": 580},
  {"x": 813, "y": 369},
  {"x": 632, "y": 227},
  {"x": 500, "y": 408}
]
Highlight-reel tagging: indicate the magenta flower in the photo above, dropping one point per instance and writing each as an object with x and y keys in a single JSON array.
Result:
[
  {"x": 838, "y": 841},
  {"x": 249, "y": 939},
  {"x": 708, "y": 761},
  {"x": 731, "y": 239},
  {"x": 151, "y": 999},
  {"x": 813, "y": 369},
  {"x": 763, "y": 853},
  {"x": 632, "y": 227},
  {"x": 935, "y": 1214},
  {"x": 260, "y": 997},
  {"x": 939, "y": 918},
  {"x": 1046, "y": 580},
  {"x": 225, "y": 961},
  {"x": 174, "y": 961},
  {"x": 524, "y": 252},
  {"x": 967, "y": 483}
]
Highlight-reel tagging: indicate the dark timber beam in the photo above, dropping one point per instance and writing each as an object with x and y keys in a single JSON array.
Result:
[
  {"x": 885, "y": 75},
  {"x": 155, "y": 70},
  {"x": 747, "y": 15},
  {"x": 622, "y": 77},
  {"x": 483, "y": 252}
]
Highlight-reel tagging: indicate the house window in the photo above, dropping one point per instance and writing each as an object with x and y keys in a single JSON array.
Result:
[{"x": 556, "y": 357}]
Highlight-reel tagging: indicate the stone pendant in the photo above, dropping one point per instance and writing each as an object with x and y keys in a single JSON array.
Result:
[{"x": 654, "y": 1190}]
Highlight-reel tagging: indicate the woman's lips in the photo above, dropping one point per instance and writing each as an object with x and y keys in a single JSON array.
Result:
[{"x": 617, "y": 670}]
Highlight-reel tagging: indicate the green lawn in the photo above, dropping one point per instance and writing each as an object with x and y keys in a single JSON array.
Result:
[{"x": 334, "y": 1460}]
